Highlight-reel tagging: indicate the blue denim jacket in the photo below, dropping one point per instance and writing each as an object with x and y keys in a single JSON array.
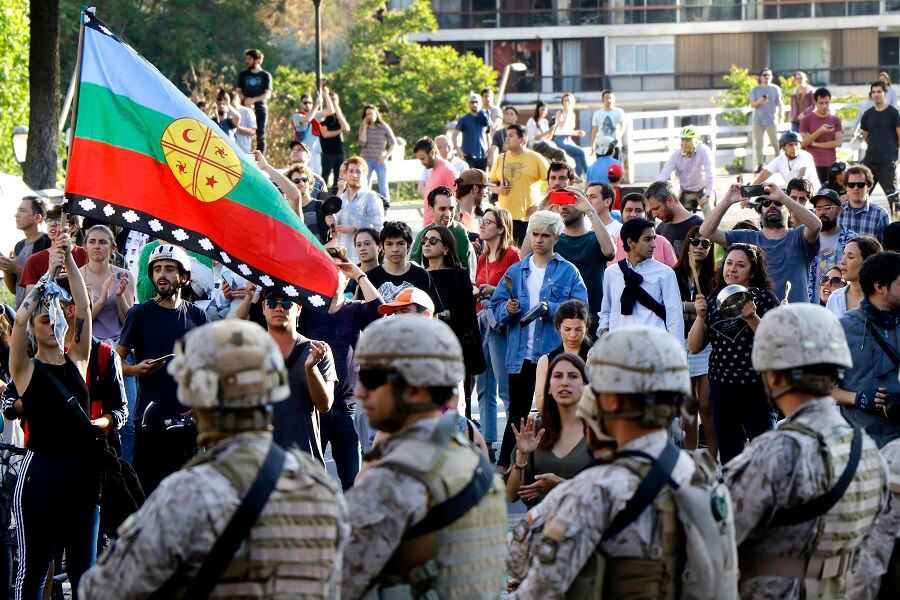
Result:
[{"x": 562, "y": 282}]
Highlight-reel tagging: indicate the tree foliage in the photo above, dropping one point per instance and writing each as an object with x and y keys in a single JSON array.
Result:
[
  {"x": 740, "y": 82},
  {"x": 14, "y": 75}
]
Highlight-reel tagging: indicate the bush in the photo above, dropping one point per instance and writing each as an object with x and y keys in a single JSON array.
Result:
[{"x": 740, "y": 82}]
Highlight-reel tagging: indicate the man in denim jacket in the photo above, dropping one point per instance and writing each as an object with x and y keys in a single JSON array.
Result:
[{"x": 540, "y": 282}]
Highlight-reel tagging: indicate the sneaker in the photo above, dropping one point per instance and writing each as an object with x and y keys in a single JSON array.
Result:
[{"x": 492, "y": 455}]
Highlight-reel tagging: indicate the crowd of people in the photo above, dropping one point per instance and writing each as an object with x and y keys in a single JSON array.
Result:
[{"x": 632, "y": 342}]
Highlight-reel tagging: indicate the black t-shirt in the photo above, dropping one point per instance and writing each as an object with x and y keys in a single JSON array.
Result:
[
  {"x": 676, "y": 232},
  {"x": 295, "y": 421},
  {"x": 58, "y": 424},
  {"x": 732, "y": 342},
  {"x": 390, "y": 285},
  {"x": 151, "y": 331},
  {"x": 499, "y": 138},
  {"x": 254, "y": 84},
  {"x": 333, "y": 145},
  {"x": 881, "y": 141}
]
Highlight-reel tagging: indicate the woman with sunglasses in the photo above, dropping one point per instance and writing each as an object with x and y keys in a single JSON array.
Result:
[
  {"x": 831, "y": 281},
  {"x": 855, "y": 253},
  {"x": 739, "y": 403},
  {"x": 552, "y": 448},
  {"x": 456, "y": 292},
  {"x": 495, "y": 230},
  {"x": 696, "y": 264}
]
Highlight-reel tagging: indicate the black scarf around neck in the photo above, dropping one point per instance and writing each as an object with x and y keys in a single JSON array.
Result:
[{"x": 634, "y": 293}]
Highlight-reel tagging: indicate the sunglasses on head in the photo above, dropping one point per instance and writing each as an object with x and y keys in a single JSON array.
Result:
[
  {"x": 273, "y": 302},
  {"x": 855, "y": 184},
  {"x": 372, "y": 378},
  {"x": 705, "y": 244},
  {"x": 767, "y": 203},
  {"x": 834, "y": 281}
]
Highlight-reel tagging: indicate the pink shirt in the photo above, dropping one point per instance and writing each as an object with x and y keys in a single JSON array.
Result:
[
  {"x": 444, "y": 174},
  {"x": 663, "y": 252}
]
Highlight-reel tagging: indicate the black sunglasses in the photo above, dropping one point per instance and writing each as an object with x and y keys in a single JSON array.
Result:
[
  {"x": 300, "y": 180},
  {"x": 705, "y": 244},
  {"x": 834, "y": 281},
  {"x": 431, "y": 240},
  {"x": 767, "y": 203},
  {"x": 273, "y": 302},
  {"x": 373, "y": 378},
  {"x": 855, "y": 184}
]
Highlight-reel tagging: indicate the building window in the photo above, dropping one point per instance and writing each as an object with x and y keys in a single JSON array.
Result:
[
  {"x": 806, "y": 54},
  {"x": 643, "y": 57}
]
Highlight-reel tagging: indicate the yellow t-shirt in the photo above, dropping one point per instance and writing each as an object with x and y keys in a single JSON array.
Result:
[{"x": 524, "y": 173}]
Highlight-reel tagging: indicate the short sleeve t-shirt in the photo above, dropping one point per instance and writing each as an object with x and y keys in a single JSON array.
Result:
[
  {"x": 823, "y": 157},
  {"x": 390, "y": 285},
  {"x": 311, "y": 218},
  {"x": 599, "y": 171},
  {"x": 23, "y": 253},
  {"x": 764, "y": 114},
  {"x": 524, "y": 173},
  {"x": 881, "y": 140},
  {"x": 39, "y": 262},
  {"x": 151, "y": 331},
  {"x": 584, "y": 252},
  {"x": 254, "y": 84},
  {"x": 789, "y": 168},
  {"x": 606, "y": 121},
  {"x": 788, "y": 259},
  {"x": 295, "y": 421},
  {"x": 676, "y": 232},
  {"x": 332, "y": 145},
  {"x": 474, "y": 133},
  {"x": 248, "y": 119},
  {"x": 227, "y": 126}
]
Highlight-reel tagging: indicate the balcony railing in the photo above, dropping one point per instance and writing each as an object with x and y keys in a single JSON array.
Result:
[{"x": 590, "y": 12}]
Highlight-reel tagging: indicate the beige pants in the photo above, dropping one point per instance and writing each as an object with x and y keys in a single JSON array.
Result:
[{"x": 772, "y": 132}]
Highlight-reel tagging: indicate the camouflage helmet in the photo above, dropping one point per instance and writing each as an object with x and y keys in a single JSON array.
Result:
[
  {"x": 424, "y": 351},
  {"x": 799, "y": 335},
  {"x": 229, "y": 364},
  {"x": 638, "y": 360}
]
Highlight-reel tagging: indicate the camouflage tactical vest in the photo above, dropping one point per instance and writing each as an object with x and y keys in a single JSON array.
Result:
[
  {"x": 292, "y": 547},
  {"x": 841, "y": 530},
  {"x": 466, "y": 558}
]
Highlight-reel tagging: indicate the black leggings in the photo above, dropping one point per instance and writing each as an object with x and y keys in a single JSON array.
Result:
[
  {"x": 521, "y": 395},
  {"x": 261, "y": 110},
  {"x": 56, "y": 506},
  {"x": 740, "y": 412},
  {"x": 331, "y": 168}
]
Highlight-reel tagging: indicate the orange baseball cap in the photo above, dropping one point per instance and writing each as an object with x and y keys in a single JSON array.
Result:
[{"x": 406, "y": 297}]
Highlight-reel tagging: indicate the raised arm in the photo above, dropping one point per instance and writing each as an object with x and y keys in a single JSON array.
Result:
[
  {"x": 80, "y": 349},
  {"x": 710, "y": 227},
  {"x": 287, "y": 187},
  {"x": 800, "y": 213}
]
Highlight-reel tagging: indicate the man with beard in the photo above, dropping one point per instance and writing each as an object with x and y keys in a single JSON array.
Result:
[
  {"x": 788, "y": 251},
  {"x": 676, "y": 219},
  {"x": 164, "y": 438},
  {"x": 360, "y": 206},
  {"x": 832, "y": 239},
  {"x": 588, "y": 250}
]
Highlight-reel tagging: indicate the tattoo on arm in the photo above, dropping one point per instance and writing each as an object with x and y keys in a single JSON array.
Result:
[{"x": 79, "y": 325}]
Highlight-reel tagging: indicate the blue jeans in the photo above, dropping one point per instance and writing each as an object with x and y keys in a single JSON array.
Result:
[
  {"x": 127, "y": 432},
  {"x": 494, "y": 346},
  {"x": 337, "y": 428},
  {"x": 381, "y": 171},
  {"x": 574, "y": 151}
]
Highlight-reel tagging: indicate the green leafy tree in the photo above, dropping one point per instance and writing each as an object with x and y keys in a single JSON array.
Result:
[
  {"x": 14, "y": 48},
  {"x": 740, "y": 82},
  {"x": 417, "y": 88}
]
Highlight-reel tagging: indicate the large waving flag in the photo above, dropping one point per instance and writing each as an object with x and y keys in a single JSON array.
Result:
[{"x": 145, "y": 157}]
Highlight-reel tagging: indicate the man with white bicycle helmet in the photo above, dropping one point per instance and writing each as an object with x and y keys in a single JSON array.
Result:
[
  {"x": 230, "y": 373},
  {"x": 791, "y": 163},
  {"x": 428, "y": 518},
  {"x": 695, "y": 166},
  {"x": 808, "y": 492},
  {"x": 649, "y": 521},
  {"x": 164, "y": 437}
]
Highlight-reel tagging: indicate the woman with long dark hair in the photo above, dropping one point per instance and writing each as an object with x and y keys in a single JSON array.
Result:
[
  {"x": 458, "y": 296},
  {"x": 538, "y": 127},
  {"x": 855, "y": 254},
  {"x": 57, "y": 495},
  {"x": 573, "y": 321},
  {"x": 554, "y": 449},
  {"x": 376, "y": 141},
  {"x": 740, "y": 407},
  {"x": 696, "y": 266}
]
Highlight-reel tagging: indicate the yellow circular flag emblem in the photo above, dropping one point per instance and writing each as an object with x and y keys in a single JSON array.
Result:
[{"x": 202, "y": 162}]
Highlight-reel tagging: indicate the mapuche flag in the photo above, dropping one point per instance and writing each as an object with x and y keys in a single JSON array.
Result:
[{"x": 143, "y": 156}]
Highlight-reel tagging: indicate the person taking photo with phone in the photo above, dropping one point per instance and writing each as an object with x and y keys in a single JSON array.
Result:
[
  {"x": 822, "y": 134},
  {"x": 164, "y": 438}
]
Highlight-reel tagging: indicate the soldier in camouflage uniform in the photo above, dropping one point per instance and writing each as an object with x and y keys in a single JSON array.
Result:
[
  {"x": 578, "y": 543},
  {"x": 413, "y": 534},
  {"x": 788, "y": 546},
  {"x": 230, "y": 372}
]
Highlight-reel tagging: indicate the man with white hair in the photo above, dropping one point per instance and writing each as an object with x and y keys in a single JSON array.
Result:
[{"x": 525, "y": 301}]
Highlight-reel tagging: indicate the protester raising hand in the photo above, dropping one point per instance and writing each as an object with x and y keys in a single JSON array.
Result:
[{"x": 527, "y": 439}]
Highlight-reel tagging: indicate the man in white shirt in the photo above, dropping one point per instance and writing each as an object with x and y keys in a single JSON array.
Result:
[
  {"x": 695, "y": 167},
  {"x": 791, "y": 163},
  {"x": 639, "y": 290},
  {"x": 245, "y": 132},
  {"x": 601, "y": 196}
]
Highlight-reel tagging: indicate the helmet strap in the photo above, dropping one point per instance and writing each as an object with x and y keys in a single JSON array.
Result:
[
  {"x": 798, "y": 380},
  {"x": 215, "y": 424},
  {"x": 402, "y": 408}
]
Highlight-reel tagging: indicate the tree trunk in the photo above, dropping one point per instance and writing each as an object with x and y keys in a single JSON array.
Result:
[{"x": 43, "y": 139}]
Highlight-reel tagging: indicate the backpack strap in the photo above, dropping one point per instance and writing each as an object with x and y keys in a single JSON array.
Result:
[
  {"x": 659, "y": 475},
  {"x": 239, "y": 526},
  {"x": 818, "y": 506}
]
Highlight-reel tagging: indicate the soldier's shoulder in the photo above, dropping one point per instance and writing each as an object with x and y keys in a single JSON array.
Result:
[{"x": 308, "y": 469}]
